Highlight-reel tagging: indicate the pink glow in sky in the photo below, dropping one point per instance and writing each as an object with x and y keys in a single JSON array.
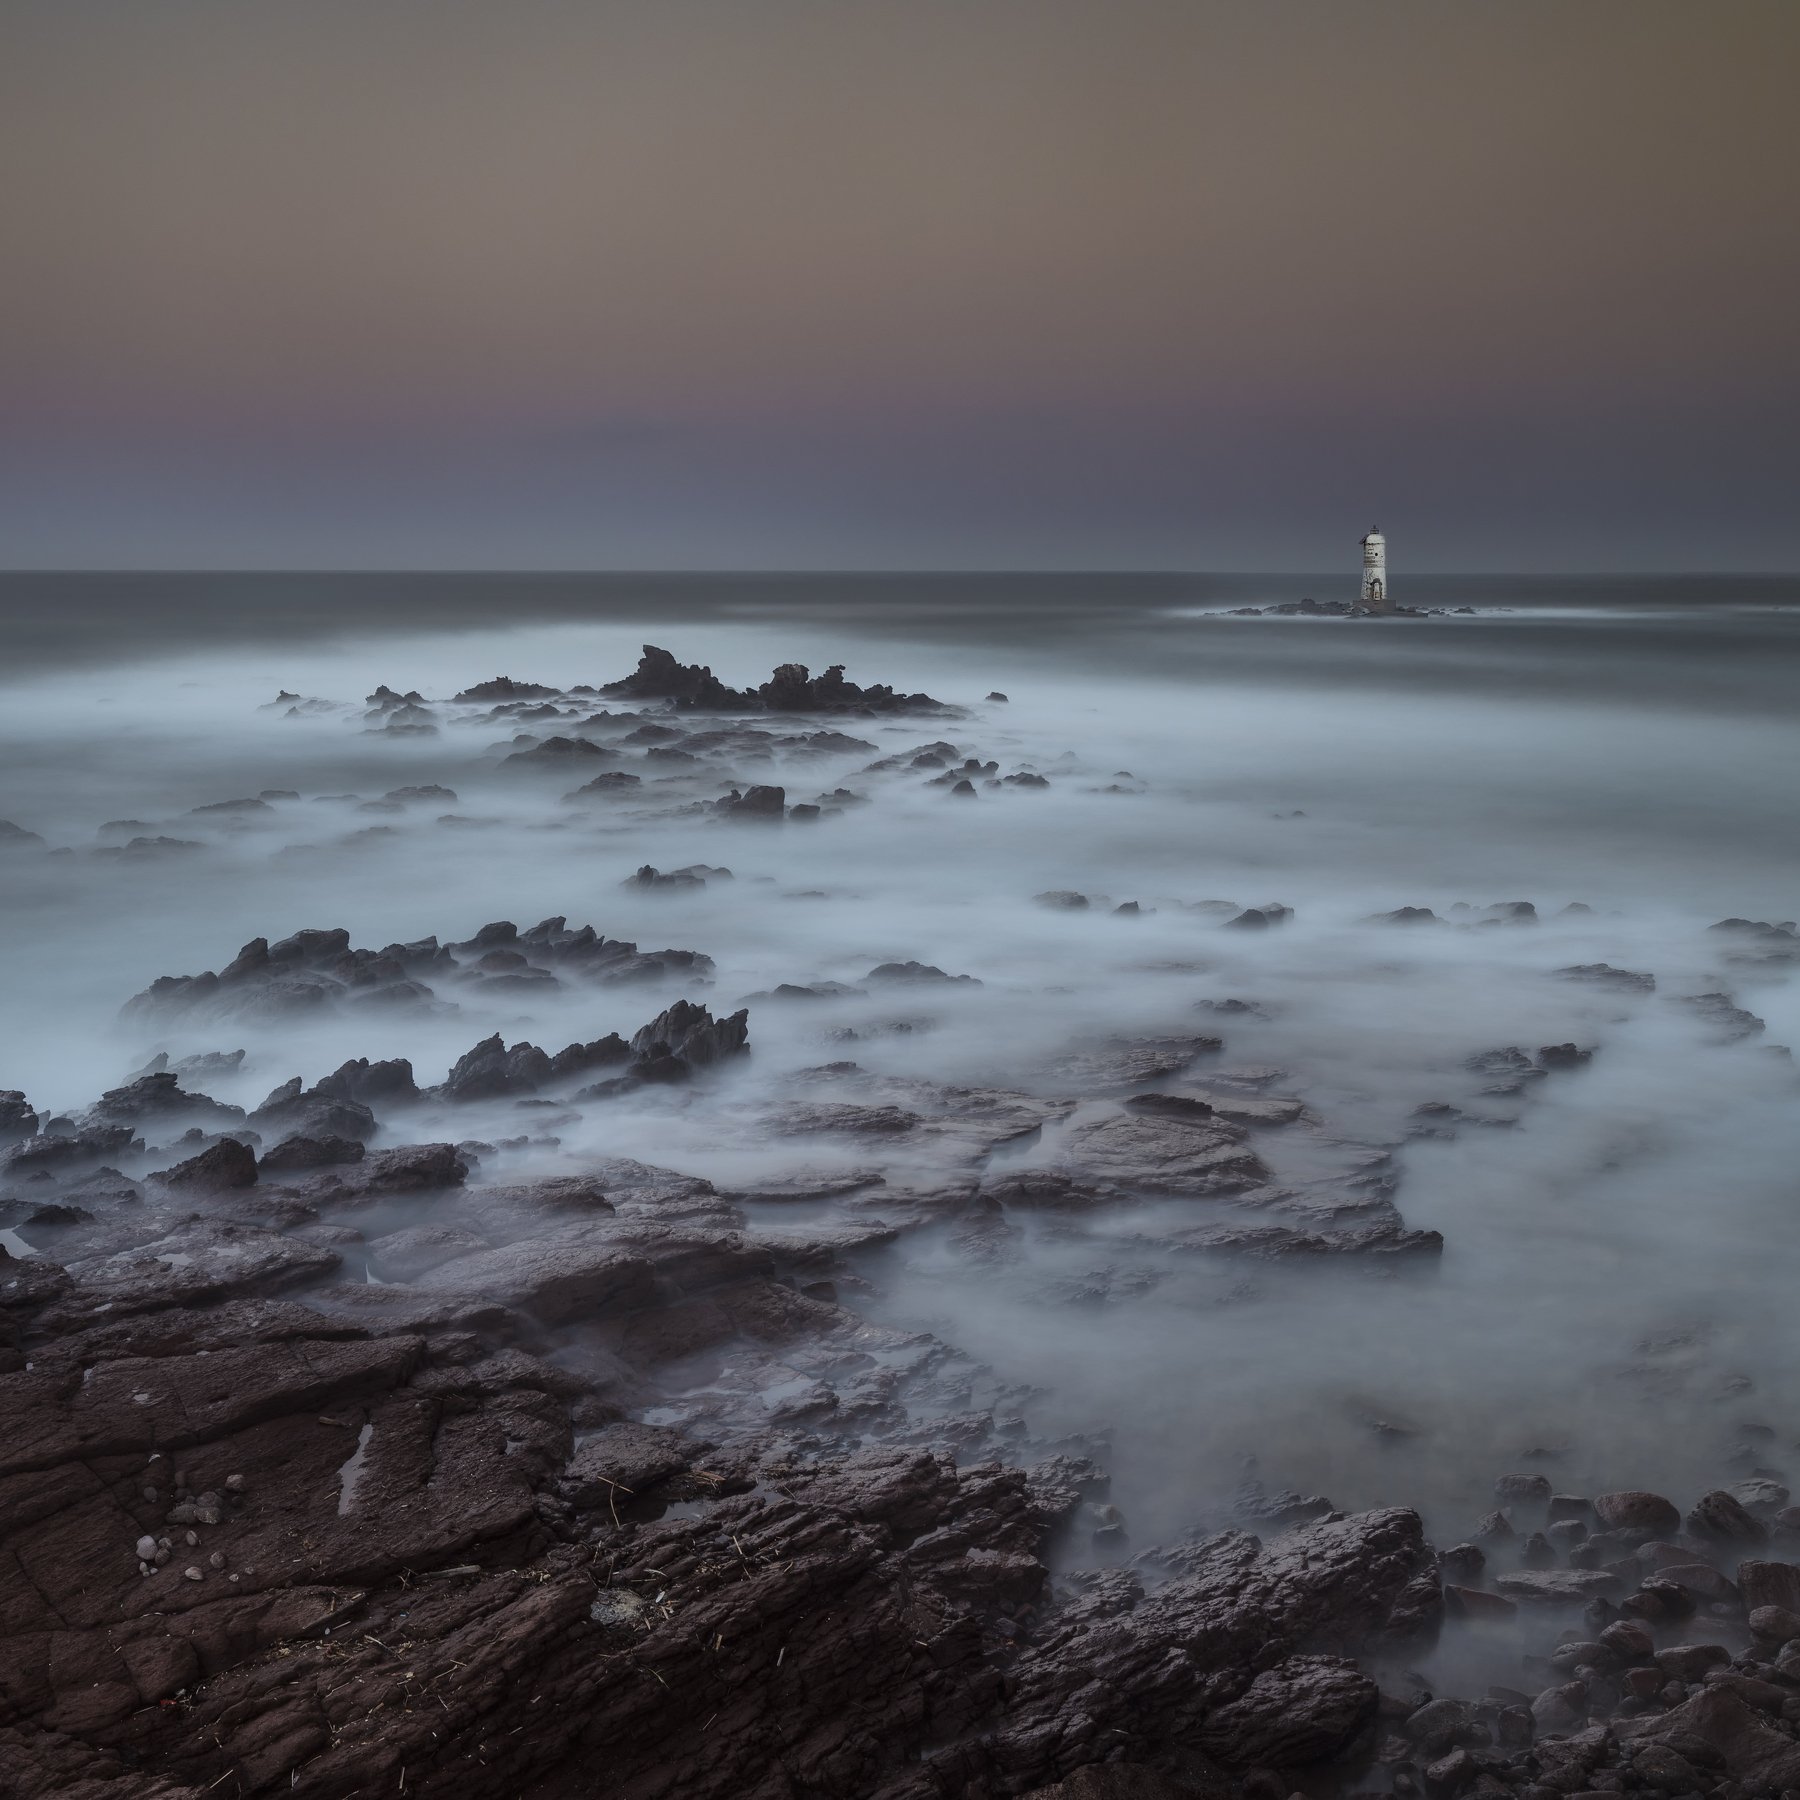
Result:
[{"x": 699, "y": 282}]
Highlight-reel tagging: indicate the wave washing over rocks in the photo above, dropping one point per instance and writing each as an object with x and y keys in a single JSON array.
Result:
[{"x": 505, "y": 1362}]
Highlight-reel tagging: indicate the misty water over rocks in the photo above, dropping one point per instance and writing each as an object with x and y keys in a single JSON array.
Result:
[{"x": 1213, "y": 1062}]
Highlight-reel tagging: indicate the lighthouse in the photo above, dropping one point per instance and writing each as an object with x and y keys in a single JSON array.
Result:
[{"x": 1374, "y": 572}]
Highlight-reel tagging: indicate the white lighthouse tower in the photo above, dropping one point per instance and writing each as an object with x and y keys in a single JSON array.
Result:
[{"x": 1374, "y": 572}]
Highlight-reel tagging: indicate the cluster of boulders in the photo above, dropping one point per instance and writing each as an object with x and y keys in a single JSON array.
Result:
[
  {"x": 315, "y": 971},
  {"x": 791, "y": 688},
  {"x": 154, "y": 1116},
  {"x": 1682, "y": 1676}
]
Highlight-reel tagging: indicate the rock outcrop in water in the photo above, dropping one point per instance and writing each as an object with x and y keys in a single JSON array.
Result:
[
  {"x": 791, "y": 688},
  {"x": 318, "y": 971}
]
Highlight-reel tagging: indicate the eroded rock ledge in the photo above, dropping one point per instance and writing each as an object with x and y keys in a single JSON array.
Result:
[{"x": 256, "y": 1547}]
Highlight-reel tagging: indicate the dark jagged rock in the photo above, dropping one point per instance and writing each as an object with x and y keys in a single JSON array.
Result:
[
  {"x": 16, "y": 837},
  {"x": 557, "y": 753},
  {"x": 1722, "y": 1516},
  {"x": 687, "y": 1035},
  {"x": 67, "y": 1151},
  {"x": 1757, "y": 928},
  {"x": 230, "y": 809},
  {"x": 915, "y": 974},
  {"x": 1171, "y": 1106},
  {"x": 297, "y": 1153},
  {"x": 159, "y": 1099},
  {"x": 1623, "y": 981},
  {"x": 580, "y": 1059},
  {"x": 208, "y": 1063},
  {"x": 310, "y": 972},
  {"x": 141, "y": 849},
  {"x": 1407, "y": 915},
  {"x": 822, "y": 743},
  {"x": 413, "y": 1168},
  {"x": 1260, "y": 918},
  {"x": 370, "y": 1083},
  {"x": 503, "y": 687},
  {"x": 18, "y": 1120},
  {"x": 491, "y": 1070},
  {"x": 659, "y": 676},
  {"x": 756, "y": 806},
  {"x": 228, "y": 1164},
  {"x": 816, "y": 990},
  {"x": 293, "y": 1110},
  {"x": 791, "y": 689},
  {"x": 317, "y": 971},
  {"x": 384, "y": 699},
  {"x": 965, "y": 774},
  {"x": 1512, "y": 912},
  {"x": 1282, "y": 1242},
  {"x": 613, "y": 781},
  {"x": 1509, "y": 1070},
  {"x": 693, "y": 877}
]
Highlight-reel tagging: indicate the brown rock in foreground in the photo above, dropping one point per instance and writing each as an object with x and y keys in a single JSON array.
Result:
[{"x": 375, "y": 1547}]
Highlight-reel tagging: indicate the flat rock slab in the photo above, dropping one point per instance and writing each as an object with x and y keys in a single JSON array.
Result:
[
  {"x": 406, "y": 1255},
  {"x": 627, "y": 1459},
  {"x": 1558, "y": 1587},
  {"x": 1161, "y": 1155},
  {"x": 578, "y": 1271},
  {"x": 200, "y": 1261}
]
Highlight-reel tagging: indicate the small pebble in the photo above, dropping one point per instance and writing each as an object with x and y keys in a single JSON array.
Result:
[
  {"x": 146, "y": 1548},
  {"x": 235, "y": 1483},
  {"x": 192, "y": 1573},
  {"x": 162, "y": 1555},
  {"x": 217, "y": 1559},
  {"x": 150, "y": 1495},
  {"x": 193, "y": 1537}
]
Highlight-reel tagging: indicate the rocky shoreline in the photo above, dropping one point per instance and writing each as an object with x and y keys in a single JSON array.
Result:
[{"x": 351, "y": 1452}]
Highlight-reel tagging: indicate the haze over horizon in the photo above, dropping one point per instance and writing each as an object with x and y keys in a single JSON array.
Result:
[{"x": 1149, "y": 285}]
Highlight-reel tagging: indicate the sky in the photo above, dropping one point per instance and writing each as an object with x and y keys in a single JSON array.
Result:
[{"x": 1060, "y": 284}]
